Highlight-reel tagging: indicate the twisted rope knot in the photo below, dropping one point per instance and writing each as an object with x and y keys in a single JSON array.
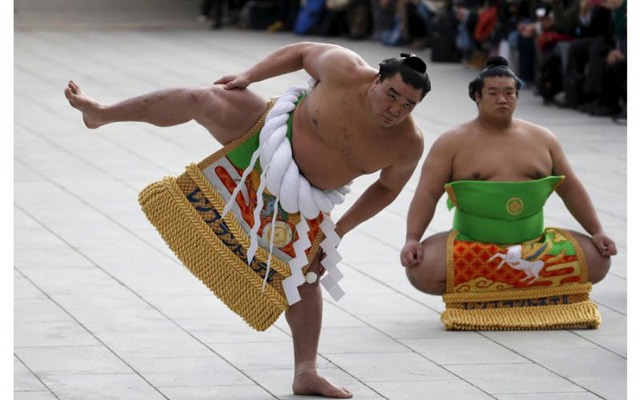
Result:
[{"x": 281, "y": 177}]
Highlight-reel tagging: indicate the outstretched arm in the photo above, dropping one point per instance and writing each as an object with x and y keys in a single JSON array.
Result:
[
  {"x": 315, "y": 58},
  {"x": 577, "y": 200},
  {"x": 382, "y": 192},
  {"x": 436, "y": 172}
]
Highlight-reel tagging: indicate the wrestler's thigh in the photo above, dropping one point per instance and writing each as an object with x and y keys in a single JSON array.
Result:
[
  {"x": 597, "y": 264},
  {"x": 431, "y": 275},
  {"x": 228, "y": 114}
]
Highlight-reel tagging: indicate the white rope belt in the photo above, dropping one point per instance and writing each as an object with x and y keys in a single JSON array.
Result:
[{"x": 294, "y": 194}]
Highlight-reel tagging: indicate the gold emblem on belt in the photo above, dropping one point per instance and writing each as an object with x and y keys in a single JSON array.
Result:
[{"x": 515, "y": 206}]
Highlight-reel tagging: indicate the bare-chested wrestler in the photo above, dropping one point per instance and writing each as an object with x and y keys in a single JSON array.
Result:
[
  {"x": 495, "y": 147},
  {"x": 355, "y": 121}
]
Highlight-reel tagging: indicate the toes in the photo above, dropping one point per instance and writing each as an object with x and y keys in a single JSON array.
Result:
[
  {"x": 347, "y": 393},
  {"x": 74, "y": 87}
]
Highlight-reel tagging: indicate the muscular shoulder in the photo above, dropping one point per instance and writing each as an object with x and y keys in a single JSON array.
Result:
[
  {"x": 415, "y": 139},
  {"x": 455, "y": 136},
  {"x": 535, "y": 131},
  {"x": 409, "y": 140},
  {"x": 465, "y": 133},
  {"x": 531, "y": 127},
  {"x": 450, "y": 143},
  {"x": 341, "y": 65}
]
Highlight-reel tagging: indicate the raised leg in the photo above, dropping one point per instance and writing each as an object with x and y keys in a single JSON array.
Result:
[
  {"x": 226, "y": 114},
  {"x": 430, "y": 276}
]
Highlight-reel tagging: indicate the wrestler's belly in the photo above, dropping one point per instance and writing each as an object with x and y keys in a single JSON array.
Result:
[{"x": 321, "y": 166}]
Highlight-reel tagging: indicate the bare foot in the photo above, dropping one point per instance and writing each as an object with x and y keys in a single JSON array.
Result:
[
  {"x": 85, "y": 104},
  {"x": 310, "y": 383}
]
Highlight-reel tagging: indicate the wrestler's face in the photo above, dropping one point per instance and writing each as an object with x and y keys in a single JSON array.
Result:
[
  {"x": 498, "y": 98},
  {"x": 393, "y": 100}
]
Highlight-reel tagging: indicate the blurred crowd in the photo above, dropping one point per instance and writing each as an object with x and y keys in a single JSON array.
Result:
[{"x": 572, "y": 53}]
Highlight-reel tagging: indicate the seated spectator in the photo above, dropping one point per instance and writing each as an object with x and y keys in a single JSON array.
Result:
[
  {"x": 351, "y": 18},
  {"x": 467, "y": 18},
  {"x": 513, "y": 46},
  {"x": 287, "y": 13},
  {"x": 417, "y": 18},
  {"x": 552, "y": 29},
  {"x": 598, "y": 61},
  {"x": 382, "y": 17},
  {"x": 613, "y": 99},
  {"x": 478, "y": 29},
  {"x": 309, "y": 18},
  {"x": 212, "y": 11},
  {"x": 586, "y": 55},
  {"x": 444, "y": 42},
  {"x": 484, "y": 32}
]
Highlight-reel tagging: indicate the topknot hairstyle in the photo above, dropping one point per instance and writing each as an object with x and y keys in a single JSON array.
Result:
[
  {"x": 411, "y": 68},
  {"x": 414, "y": 62},
  {"x": 496, "y": 66}
]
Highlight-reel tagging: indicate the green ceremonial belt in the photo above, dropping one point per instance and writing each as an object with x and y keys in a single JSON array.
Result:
[
  {"x": 500, "y": 212},
  {"x": 498, "y": 231},
  {"x": 241, "y": 156}
]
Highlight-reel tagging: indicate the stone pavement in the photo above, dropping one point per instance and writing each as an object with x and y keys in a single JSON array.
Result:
[{"x": 103, "y": 310}]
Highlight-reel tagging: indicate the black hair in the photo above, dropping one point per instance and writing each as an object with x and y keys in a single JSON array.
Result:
[
  {"x": 411, "y": 68},
  {"x": 496, "y": 66}
]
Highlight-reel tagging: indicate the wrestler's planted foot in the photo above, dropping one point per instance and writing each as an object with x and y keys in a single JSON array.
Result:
[
  {"x": 89, "y": 108},
  {"x": 310, "y": 383}
]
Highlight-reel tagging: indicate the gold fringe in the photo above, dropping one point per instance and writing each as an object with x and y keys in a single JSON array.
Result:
[
  {"x": 583, "y": 315},
  {"x": 210, "y": 260},
  {"x": 518, "y": 294}
]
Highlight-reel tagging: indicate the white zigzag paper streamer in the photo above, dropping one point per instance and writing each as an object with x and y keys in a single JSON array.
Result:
[
  {"x": 332, "y": 258},
  {"x": 296, "y": 265}
]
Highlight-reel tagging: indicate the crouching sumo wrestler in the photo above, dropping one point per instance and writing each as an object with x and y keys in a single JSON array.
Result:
[{"x": 499, "y": 267}]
